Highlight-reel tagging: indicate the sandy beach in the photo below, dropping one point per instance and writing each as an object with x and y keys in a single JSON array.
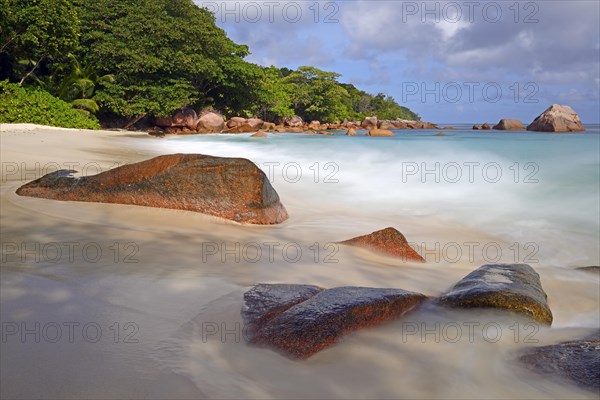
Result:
[{"x": 138, "y": 288}]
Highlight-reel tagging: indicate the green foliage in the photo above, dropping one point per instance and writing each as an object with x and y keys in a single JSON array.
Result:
[
  {"x": 79, "y": 85},
  {"x": 34, "y": 32},
  {"x": 317, "y": 95},
  {"x": 273, "y": 97},
  {"x": 34, "y": 105},
  {"x": 136, "y": 58},
  {"x": 385, "y": 107},
  {"x": 157, "y": 97},
  {"x": 151, "y": 45},
  {"x": 364, "y": 105}
]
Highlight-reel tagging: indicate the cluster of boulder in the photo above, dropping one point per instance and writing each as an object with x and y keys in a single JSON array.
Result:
[
  {"x": 186, "y": 121},
  {"x": 298, "y": 321},
  {"x": 556, "y": 118}
]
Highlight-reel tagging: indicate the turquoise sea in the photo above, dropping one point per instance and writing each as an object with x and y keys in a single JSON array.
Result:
[{"x": 526, "y": 187}]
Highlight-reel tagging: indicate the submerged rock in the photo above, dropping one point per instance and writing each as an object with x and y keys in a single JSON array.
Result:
[
  {"x": 557, "y": 118},
  {"x": 265, "y": 301},
  {"x": 513, "y": 287},
  {"x": 307, "y": 319},
  {"x": 231, "y": 188},
  {"x": 576, "y": 361},
  {"x": 387, "y": 241},
  {"x": 591, "y": 268},
  {"x": 380, "y": 132},
  {"x": 259, "y": 134}
]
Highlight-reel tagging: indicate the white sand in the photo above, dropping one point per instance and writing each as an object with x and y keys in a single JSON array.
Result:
[{"x": 158, "y": 281}]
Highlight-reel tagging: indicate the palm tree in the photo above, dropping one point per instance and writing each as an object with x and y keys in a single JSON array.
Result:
[{"x": 79, "y": 85}]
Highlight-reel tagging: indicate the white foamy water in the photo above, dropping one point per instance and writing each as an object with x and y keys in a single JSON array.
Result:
[{"x": 168, "y": 302}]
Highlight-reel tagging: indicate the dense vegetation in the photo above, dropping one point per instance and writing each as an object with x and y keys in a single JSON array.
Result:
[
  {"x": 36, "y": 106},
  {"x": 130, "y": 59}
]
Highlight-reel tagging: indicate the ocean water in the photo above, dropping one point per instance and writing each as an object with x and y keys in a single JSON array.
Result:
[
  {"x": 525, "y": 187},
  {"x": 169, "y": 309}
]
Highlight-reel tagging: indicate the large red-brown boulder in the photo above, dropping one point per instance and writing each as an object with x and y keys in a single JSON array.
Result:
[
  {"x": 299, "y": 321},
  {"x": 387, "y": 241},
  {"x": 211, "y": 122},
  {"x": 230, "y": 188},
  {"x": 557, "y": 118},
  {"x": 182, "y": 118}
]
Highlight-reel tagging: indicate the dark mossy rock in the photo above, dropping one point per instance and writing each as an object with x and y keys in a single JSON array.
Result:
[
  {"x": 576, "y": 361},
  {"x": 513, "y": 287},
  {"x": 265, "y": 301},
  {"x": 320, "y": 321},
  {"x": 591, "y": 268}
]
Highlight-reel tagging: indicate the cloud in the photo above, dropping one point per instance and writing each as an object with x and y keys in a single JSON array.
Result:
[
  {"x": 380, "y": 45},
  {"x": 564, "y": 38}
]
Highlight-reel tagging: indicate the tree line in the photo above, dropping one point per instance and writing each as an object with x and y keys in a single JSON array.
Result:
[{"x": 130, "y": 59}]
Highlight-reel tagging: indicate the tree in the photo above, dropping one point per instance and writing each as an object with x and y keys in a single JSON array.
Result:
[
  {"x": 79, "y": 85},
  {"x": 385, "y": 107},
  {"x": 316, "y": 94},
  {"x": 274, "y": 99},
  {"x": 33, "y": 32},
  {"x": 153, "y": 47}
]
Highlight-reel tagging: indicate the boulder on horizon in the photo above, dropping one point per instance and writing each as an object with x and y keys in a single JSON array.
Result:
[
  {"x": 557, "y": 118},
  {"x": 509, "y": 125}
]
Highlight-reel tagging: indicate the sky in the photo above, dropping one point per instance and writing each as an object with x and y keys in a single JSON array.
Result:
[{"x": 449, "y": 61}]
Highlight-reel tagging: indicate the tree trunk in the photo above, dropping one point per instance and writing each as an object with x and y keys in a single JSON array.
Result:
[
  {"x": 133, "y": 121},
  {"x": 37, "y": 64}
]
